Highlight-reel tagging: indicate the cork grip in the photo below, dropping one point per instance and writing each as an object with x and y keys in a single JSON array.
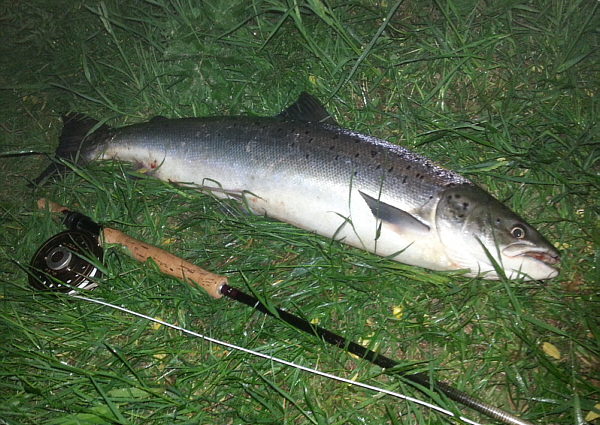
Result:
[{"x": 167, "y": 263}]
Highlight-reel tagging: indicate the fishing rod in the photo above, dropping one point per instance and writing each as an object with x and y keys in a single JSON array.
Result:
[{"x": 66, "y": 261}]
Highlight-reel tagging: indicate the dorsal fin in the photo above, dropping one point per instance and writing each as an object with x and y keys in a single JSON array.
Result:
[
  {"x": 159, "y": 118},
  {"x": 308, "y": 109}
]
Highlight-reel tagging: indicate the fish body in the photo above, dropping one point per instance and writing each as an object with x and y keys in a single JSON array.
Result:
[{"x": 300, "y": 167}]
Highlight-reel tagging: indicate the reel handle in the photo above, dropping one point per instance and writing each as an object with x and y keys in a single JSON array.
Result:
[{"x": 167, "y": 263}]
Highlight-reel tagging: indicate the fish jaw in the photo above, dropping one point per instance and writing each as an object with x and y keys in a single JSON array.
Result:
[
  {"x": 530, "y": 261},
  {"x": 517, "y": 261}
]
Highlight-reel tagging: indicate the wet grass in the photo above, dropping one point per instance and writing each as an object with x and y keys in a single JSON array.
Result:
[{"x": 504, "y": 92}]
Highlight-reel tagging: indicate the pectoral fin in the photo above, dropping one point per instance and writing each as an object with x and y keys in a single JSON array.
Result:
[{"x": 398, "y": 220}]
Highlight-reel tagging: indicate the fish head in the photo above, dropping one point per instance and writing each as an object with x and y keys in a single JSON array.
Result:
[{"x": 474, "y": 226}]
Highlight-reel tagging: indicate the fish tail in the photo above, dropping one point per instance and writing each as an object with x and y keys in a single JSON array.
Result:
[{"x": 76, "y": 128}]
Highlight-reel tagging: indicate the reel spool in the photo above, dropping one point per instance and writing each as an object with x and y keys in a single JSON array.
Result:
[{"x": 64, "y": 263}]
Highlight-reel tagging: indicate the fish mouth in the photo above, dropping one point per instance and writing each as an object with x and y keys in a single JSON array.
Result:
[{"x": 545, "y": 256}]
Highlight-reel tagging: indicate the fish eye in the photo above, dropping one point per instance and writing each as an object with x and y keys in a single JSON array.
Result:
[{"x": 518, "y": 232}]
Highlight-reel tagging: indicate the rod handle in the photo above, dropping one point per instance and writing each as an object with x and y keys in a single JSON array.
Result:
[
  {"x": 52, "y": 206},
  {"x": 167, "y": 263}
]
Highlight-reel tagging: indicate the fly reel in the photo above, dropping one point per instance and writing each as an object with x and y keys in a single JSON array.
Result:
[{"x": 65, "y": 262}]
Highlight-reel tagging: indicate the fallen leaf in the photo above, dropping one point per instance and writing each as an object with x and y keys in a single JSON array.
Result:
[
  {"x": 592, "y": 414},
  {"x": 397, "y": 311},
  {"x": 551, "y": 350}
]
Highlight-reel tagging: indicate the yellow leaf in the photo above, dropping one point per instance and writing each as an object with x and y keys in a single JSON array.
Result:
[
  {"x": 593, "y": 415},
  {"x": 219, "y": 352},
  {"x": 551, "y": 350},
  {"x": 156, "y": 325},
  {"x": 365, "y": 343},
  {"x": 397, "y": 311},
  {"x": 314, "y": 321}
]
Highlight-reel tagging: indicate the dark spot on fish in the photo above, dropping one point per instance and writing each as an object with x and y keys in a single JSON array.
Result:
[
  {"x": 378, "y": 166},
  {"x": 461, "y": 215},
  {"x": 408, "y": 167},
  {"x": 390, "y": 169},
  {"x": 373, "y": 154},
  {"x": 334, "y": 137},
  {"x": 307, "y": 155},
  {"x": 457, "y": 196},
  {"x": 417, "y": 176},
  {"x": 355, "y": 173},
  {"x": 430, "y": 196},
  {"x": 292, "y": 130},
  {"x": 422, "y": 176},
  {"x": 404, "y": 179},
  {"x": 337, "y": 157},
  {"x": 310, "y": 140},
  {"x": 293, "y": 144},
  {"x": 280, "y": 129},
  {"x": 357, "y": 155},
  {"x": 357, "y": 141},
  {"x": 465, "y": 205},
  {"x": 307, "y": 132},
  {"x": 332, "y": 147}
]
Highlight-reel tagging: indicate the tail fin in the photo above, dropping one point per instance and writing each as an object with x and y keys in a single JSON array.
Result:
[{"x": 76, "y": 127}]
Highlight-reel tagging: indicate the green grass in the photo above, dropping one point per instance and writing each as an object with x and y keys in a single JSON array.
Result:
[{"x": 505, "y": 92}]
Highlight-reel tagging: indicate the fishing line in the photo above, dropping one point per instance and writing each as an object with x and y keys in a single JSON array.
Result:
[
  {"x": 281, "y": 361},
  {"x": 8, "y": 154}
]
